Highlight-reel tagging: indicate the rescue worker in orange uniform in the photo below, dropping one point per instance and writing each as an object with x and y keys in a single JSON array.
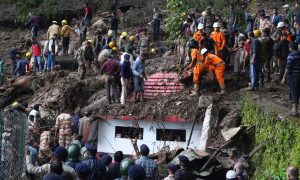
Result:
[
  {"x": 214, "y": 63},
  {"x": 197, "y": 64},
  {"x": 219, "y": 38},
  {"x": 283, "y": 29},
  {"x": 198, "y": 35}
]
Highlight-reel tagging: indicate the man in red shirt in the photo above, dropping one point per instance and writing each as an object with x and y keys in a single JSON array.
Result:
[
  {"x": 37, "y": 55},
  {"x": 88, "y": 14},
  {"x": 111, "y": 69}
]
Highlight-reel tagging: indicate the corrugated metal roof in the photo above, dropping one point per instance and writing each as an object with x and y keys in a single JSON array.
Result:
[{"x": 162, "y": 84}]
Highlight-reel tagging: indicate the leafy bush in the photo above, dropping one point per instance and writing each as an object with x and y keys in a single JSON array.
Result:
[
  {"x": 279, "y": 138},
  {"x": 178, "y": 9}
]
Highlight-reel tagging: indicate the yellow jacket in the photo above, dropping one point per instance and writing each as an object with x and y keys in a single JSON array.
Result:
[{"x": 66, "y": 31}]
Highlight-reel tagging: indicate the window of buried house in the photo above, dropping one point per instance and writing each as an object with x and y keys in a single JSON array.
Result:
[
  {"x": 171, "y": 135},
  {"x": 129, "y": 132}
]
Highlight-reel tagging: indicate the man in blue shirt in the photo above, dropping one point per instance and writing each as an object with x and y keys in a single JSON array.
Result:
[
  {"x": 275, "y": 18},
  {"x": 139, "y": 77},
  {"x": 98, "y": 169},
  {"x": 148, "y": 164},
  {"x": 21, "y": 67},
  {"x": 292, "y": 71}
]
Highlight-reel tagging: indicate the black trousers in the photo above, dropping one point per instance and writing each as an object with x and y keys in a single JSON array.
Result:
[
  {"x": 155, "y": 32},
  {"x": 294, "y": 88}
]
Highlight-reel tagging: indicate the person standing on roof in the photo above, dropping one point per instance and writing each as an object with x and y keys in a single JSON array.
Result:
[
  {"x": 32, "y": 21},
  {"x": 216, "y": 64},
  {"x": 219, "y": 39},
  {"x": 52, "y": 30},
  {"x": 156, "y": 23},
  {"x": 114, "y": 24},
  {"x": 65, "y": 33},
  {"x": 139, "y": 77},
  {"x": 88, "y": 14},
  {"x": 198, "y": 35},
  {"x": 111, "y": 69},
  {"x": 126, "y": 76},
  {"x": 148, "y": 164},
  {"x": 198, "y": 67}
]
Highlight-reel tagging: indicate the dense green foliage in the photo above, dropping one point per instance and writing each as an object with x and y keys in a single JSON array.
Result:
[
  {"x": 25, "y": 6},
  {"x": 280, "y": 139},
  {"x": 178, "y": 10}
]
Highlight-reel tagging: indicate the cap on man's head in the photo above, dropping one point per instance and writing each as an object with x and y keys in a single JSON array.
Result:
[
  {"x": 127, "y": 56},
  {"x": 172, "y": 167},
  {"x": 184, "y": 160},
  {"x": 91, "y": 148},
  {"x": 106, "y": 159},
  {"x": 136, "y": 172},
  {"x": 61, "y": 153},
  {"x": 54, "y": 22},
  {"x": 82, "y": 170},
  {"x": 144, "y": 150}
]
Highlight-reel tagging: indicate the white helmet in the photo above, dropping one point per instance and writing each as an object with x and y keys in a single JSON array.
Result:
[
  {"x": 200, "y": 26},
  {"x": 203, "y": 51},
  {"x": 216, "y": 25},
  {"x": 231, "y": 174},
  {"x": 286, "y": 6},
  {"x": 281, "y": 24}
]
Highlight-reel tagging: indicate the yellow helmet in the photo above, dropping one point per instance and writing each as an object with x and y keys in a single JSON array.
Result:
[
  {"x": 257, "y": 33},
  {"x": 131, "y": 38},
  {"x": 110, "y": 33},
  {"x": 115, "y": 49},
  {"x": 90, "y": 41},
  {"x": 64, "y": 21},
  {"x": 124, "y": 34},
  {"x": 28, "y": 54},
  {"x": 153, "y": 51},
  {"x": 111, "y": 44},
  {"x": 15, "y": 104}
]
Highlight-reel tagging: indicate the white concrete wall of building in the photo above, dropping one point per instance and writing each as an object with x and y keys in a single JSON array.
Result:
[{"x": 107, "y": 142}]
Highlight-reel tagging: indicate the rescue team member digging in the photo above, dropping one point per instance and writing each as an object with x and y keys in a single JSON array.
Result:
[{"x": 216, "y": 64}]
